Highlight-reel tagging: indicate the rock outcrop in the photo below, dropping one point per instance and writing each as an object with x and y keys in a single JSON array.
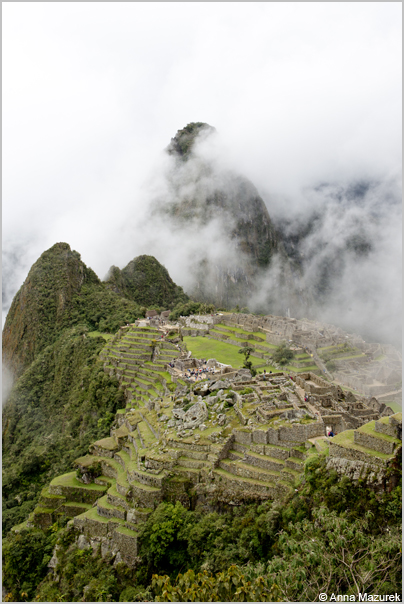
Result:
[{"x": 204, "y": 195}]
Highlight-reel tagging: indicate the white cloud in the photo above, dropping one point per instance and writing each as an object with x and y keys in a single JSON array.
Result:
[{"x": 300, "y": 93}]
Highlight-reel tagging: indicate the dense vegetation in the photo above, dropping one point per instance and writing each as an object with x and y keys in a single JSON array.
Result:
[
  {"x": 63, "y": 400},
  {"x": 147, "y": 282},
  {"x": 62, "y": 403},
  {"x": 330, "y": 535},
  {"x": 60, "y": 291},
  {"x": 191, "y": 308}
]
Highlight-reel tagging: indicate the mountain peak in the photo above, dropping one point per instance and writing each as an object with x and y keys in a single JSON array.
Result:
[
  {"x": 43, "y": 304},
  {"x": 182, "y": 143},
  {"x": 145, "y": 281}
]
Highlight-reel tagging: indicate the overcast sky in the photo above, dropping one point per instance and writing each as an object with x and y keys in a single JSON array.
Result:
[{"x": 300, "y": 93}]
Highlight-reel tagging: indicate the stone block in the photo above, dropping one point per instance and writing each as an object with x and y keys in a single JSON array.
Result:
[
  {"x": 373, "y": 442},
  {"x": 243, "y": 437},
  {"x": 388, "y": 429},
  {"x": 273, "y": 436},
  {"x": 278, "y": 453},
  {"x": 260, "y": 436}
]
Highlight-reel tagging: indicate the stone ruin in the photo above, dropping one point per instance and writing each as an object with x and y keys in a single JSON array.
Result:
[
  {"x": 370, "y": 369},
  {"x": 231, "y": 439}
]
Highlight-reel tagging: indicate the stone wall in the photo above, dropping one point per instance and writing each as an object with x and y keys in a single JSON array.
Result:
[
  {"x": 226, "y": 447},
  {"x": 372, "y": 442},
  {"x": 356, "y": 469},
  {"x": 301, "y": 432},
  {"x": 193, "y": 332},
  {"x": 189, "y": 446},
  {"x": 243, "y": 420},
  {"x": 354, "y": 455},
  {"x": 260, "y": 436},
  {"x": 144, "y": 498},
  {"x": 242, "y": 436},
  {"x": 231, "y": 489},
  {"x": 91, "y": 528},
  {"x": 126, "y": 544}
]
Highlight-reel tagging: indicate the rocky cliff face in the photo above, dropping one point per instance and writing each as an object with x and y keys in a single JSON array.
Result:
[
  {"x": 147, "y": 282},
  {"x": 43, "y": 305},
  {"x": 204, "y": 198}
]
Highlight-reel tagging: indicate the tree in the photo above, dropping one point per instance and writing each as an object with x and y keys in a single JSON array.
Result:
[
  {"x": 228, "y": 586},
  {"x": 283, "y": 354},
  {"x": 331, "y": 554},
  {"x": 246, "y": 351}
]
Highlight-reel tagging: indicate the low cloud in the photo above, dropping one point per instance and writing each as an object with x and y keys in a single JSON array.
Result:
[{"x": 306, "y": 100}]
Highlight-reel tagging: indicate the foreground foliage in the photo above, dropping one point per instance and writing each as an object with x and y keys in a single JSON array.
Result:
[
  {"x": 228, "y": 586},
  {"x": 330, "y": 535}
]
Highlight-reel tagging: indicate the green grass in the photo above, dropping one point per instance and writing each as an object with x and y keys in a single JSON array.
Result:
[
  {"x": 300, "y": 369},
  {"x": 242, "y": 332},
  {"x": 234, "y": 477},
  {"x": 96, "y": 334},
  {"x": 103, "y": 502},
  {"x": 395, "y": 406},
  {"x": 107, "y": 443},
  {"x": 93, "y": 515},
  {"x": 146, "y": 434},
  {"x": 202, "y": 347},
  {"x": 370, "y": 429},
  {"x": 70, "y": 480},
  {"x": 123, "y": 530},
  {"x": 346, "y": 439},
  {"x": 75, "y": 504},
  {"x": 165, "y": 375}
]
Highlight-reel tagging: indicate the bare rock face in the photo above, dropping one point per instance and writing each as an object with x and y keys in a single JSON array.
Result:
[
  {"x": 203, "y": 195},
  {"x": 220, "y": 385},
  {"x": 196, "y": 415},
  {"x": 221, "y": 419}
]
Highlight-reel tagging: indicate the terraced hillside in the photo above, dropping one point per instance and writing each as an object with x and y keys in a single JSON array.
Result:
[
  {"x": 138, "y": 357},
  {"x": 226, "y": 340},
  {"x": 367, "y": 451},
  {"x": 149, "y": 457},
  {"x": 230, "y": 438}
]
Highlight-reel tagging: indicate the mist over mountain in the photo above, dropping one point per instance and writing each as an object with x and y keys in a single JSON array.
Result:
[
  {"x": 221, "y": 212},
  {"x": 347, "y": 240},
  {"x": 335, "y": 256}
]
